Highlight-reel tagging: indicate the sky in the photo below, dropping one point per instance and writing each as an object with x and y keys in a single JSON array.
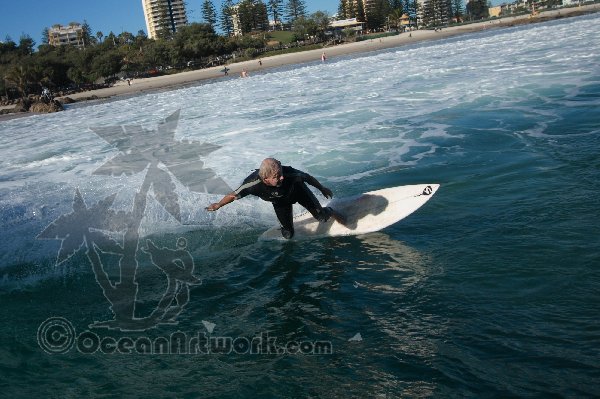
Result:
[{"x": 30, "y": 17}]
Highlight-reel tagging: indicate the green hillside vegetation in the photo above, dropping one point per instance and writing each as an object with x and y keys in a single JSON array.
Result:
[{"x": 283, "y": 37}]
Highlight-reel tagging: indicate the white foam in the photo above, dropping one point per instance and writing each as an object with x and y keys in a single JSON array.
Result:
[{"x": 342, "y": 121}]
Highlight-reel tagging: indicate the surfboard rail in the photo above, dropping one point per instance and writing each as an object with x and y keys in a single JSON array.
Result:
[{"x": 364, "y": 213}]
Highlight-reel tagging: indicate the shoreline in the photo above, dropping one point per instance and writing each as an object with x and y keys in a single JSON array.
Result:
[{"x": 181, "y": 79}]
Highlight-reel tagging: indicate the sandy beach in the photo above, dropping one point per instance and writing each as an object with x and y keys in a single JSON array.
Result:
[{"x": 235, "y": 69}]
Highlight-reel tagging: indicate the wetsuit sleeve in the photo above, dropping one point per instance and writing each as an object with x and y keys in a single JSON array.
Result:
[
  {"x": 249, "y": 186},
  {"x": 305, "y": 177},
  {"x": 300, "y": 176}
]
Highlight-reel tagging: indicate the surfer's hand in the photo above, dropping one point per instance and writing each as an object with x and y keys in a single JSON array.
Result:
[
  {"x": 326, "y": 192},
  {"x": 213, "y": 207}
]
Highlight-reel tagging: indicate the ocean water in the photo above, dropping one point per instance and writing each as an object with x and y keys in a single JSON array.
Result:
[{"x": 489, "y": 290}]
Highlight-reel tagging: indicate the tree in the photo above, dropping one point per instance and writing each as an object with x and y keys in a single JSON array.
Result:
[
  {"x": 157, "y": 53},
  {"x": 477, "y": 9},
  {"x": 359, "y": 12},
  {"x": 342, "y": 10},
  {"x": 109, "y": 40},
  {"x": 87, "y": 36},
  {"x": 99, "y": 36},
  {"x": 395, "y": 18},
  {"x": 295, "y": 9},
  {"x": 141, "y": 39},
  {"x": 19, "y": 76},
  {"x": 164, "y": 28},
  {"x": 348, "y": 34},
  {"x": 45, "y": 36},
  {"x": 303, "y": 28},
  {"x": 209, "y": 13},
  {"x": 245, "y": 14},
  {"x": 457, "y": 10},
  {"x": 195, "y": 41},
  {"x": 227, "y": 17},
  {"x": 105, "y": 65},
  {"x": 275, "y": 8},
  {"x": 396, "y": 4},
  {"x": 321, "y": 21},
  {"x": 26, "y": 44},
  {"x": 261, "y": 14},
  {"x": 252, "y": 16},
  {"x": 377, "y": 14}
]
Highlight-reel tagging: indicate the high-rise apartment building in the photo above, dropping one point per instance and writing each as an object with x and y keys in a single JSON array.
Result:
[
  {"x": 352, "y": 6},
  {"x": 163, "y": 14},
  {"x": 235, "y": 19}
]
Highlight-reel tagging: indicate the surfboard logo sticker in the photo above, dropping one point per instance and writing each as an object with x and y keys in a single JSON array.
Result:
[{"x": 426, "y": 191}]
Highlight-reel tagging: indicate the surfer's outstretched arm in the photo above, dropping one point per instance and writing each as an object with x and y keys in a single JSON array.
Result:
[
  {"x": 315, "y": 183},
  {"x": 229, "y": 198}
]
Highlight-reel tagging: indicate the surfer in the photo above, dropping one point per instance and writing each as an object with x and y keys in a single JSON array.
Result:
[{"x": 283, "y": 186}]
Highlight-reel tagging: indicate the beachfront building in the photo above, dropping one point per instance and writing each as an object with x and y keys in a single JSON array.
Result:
[
  {"x": 341, "y": 25},
  {"x": 495, "y": 12},
  {"x": 434, "y": 13},
  {"x": 275, "y": 25},
  {"x": 517, "y": 7},
  {"x": 163, "y": 15},
  {"x": 360, "y": 9},
  {"x": 248, "y": 16},
  {"x": 338, "y": 29},
  {"x": 369, "y": 6},
  {"x": 71, "y": 35}
]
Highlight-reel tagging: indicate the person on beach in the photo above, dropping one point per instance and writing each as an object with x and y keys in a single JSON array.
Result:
[
  {"x": 323, "y": 57},
  {"x": 46, "y": 95},
  {"x": 244, "y": 73},
  {"x": 283, "y": 186}
]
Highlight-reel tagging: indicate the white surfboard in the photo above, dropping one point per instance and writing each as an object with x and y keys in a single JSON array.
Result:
[{"x": 364, "y": 213}]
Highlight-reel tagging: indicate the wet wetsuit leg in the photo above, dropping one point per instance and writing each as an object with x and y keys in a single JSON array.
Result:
[
  {"x": 307, "y": 199},
  {"x": 285, "y": 216}
]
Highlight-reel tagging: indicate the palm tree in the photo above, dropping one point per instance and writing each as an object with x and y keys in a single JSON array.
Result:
[
  {"x": 395, "y": 18},
  {"x": 99, "y": 35}
]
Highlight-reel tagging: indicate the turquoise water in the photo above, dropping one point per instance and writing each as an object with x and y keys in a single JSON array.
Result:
[{"x": 489, "y": 290}]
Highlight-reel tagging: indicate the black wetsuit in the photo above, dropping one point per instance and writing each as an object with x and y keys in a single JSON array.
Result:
[{"x": 292, "y": 190}]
